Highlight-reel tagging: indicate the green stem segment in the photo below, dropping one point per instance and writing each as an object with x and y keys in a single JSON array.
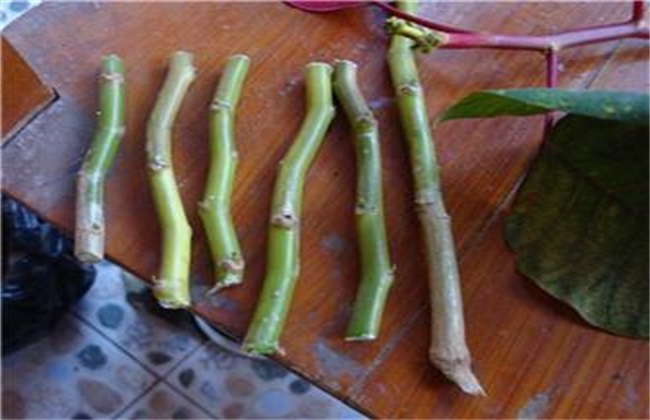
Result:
[
  {"x": 283, "y": 248},
  {"x": 448, "y": 351},
  {"x": 171, "y": 287},
  {"x": 90, "y": 228},
  {"x": 376, "y": 269},
  {"x": 214, "y": 209}
]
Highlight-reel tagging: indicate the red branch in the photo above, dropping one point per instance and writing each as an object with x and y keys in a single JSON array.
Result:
[
  {"x": 557, "y": 41},
  {"x": 458, "y": 38},
  {"x": 637, "y": 10},
  {"x": 552, "y": 67},
  {"x": 451, "y": 37}
]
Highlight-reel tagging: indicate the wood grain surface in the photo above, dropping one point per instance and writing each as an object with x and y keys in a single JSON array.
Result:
[
  {"x": 536, "y": 357},
  {"x": 24, "y": 94}
]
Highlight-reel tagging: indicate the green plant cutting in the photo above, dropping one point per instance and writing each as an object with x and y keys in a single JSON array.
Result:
[
  {"x": 448, "y": 351},
  {"x": 263, "y": 336},
  {"x": 377, "y": 272},
  {"x": 171, "y": 286},
  {"x": 214, "y": 209},
  {"x": 90, "y": 229}
]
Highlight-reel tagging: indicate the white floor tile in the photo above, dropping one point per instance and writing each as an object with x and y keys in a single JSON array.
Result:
[
  {"x": 122, "y": 307},
  {"x": 231, "y": 386},
  {"x": 163, "y": 402},
  {"x": 73, "y": 373}
]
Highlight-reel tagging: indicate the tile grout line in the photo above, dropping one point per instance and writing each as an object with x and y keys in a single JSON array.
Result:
[
  {"x": 125, "y": 350},
  {"x": 182, "y": 392},
  {"x": 116, "y": 344},
  {"x": 157, "y": 378},
  {"x": 138, "y": 397},
  {"x": 186, "y": 357},
  {"x": 188, "y": 397},
  {"x": 167, "y": 380}
]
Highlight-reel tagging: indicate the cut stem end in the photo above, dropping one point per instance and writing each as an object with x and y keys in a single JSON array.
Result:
[{"x": 460, "y": 372}]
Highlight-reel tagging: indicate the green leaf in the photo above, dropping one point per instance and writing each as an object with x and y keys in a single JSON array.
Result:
[
  {"x": 579, "y": 225},
  {"x": 608, "y": 105}
]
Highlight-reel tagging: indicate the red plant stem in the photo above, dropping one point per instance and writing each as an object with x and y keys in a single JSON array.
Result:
[
  {"x": 552, "y": 67},
  {"x": 638, "y": 7},
  {"x": 459, "y": 38},
  {"x": 558, "y": 41}
]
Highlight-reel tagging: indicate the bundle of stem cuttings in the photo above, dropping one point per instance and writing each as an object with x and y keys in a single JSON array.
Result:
[{"x": 448, "y": 350}]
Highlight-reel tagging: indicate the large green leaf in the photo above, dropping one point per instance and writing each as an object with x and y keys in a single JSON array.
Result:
[
  {"x": 609, "y": 105},
  {"x": 579, "y": 225}
]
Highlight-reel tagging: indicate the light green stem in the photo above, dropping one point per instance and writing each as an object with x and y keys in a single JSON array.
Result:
[
  {"x": 448, "y": 350},
  {"x": 214, "y": 209},
  {"x": 424, "y": 40},
  {"x": 171, "y": 287},
  {"x": 90, "y": 228},
  {"x": 283, "y": 247},
  {"x": 376, "y": 269}
]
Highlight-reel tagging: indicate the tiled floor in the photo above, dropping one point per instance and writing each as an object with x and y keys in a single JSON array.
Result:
[
  {"x": 11, "y": 10},
  {"x": 118, "y": 355}
]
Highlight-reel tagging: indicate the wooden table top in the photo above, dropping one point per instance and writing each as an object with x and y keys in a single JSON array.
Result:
[
  {"x": 18, "y": 76},
  {"x": 535, "y": 357}
]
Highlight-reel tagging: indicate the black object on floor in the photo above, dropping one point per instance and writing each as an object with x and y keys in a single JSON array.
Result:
[{"x": 41, "y": 278}]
